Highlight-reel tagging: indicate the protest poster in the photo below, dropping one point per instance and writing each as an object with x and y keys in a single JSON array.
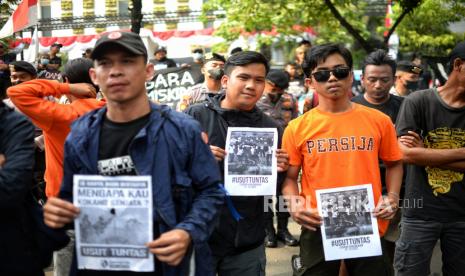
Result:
[
  {"x": 115, "y": 222},
  {"x": 250, "y": 164},
  {"x": 349, "y": 229},
  {"x": 168, "y": 85}
]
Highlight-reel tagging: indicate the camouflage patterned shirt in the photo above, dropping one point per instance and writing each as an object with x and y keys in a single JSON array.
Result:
[{"x": 282, "y": 111}]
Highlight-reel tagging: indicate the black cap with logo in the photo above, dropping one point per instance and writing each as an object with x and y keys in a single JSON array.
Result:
[
  {"x": 132, "y": 42},
  {"x": 457, "y": 52},
  {"x": 278, "y": 78},
  {"x": 408, "y": 66},
  {"x": 24, "y": 66},
  {"x": 214, "y": 56}
]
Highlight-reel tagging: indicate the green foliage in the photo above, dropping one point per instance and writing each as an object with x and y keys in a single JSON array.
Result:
[
  {"x": 426, "y": 29},
  {"x": 6, "y": 9},
  {"x": 221, "y": 47},
  {"x": 423, "y": 27},
  {"x": 6, "y": 6}
]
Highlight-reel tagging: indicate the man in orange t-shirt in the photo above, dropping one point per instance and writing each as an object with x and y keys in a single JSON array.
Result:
[
  {"x": 53, "y": 118},
  {"x": 337, "y": 144}
]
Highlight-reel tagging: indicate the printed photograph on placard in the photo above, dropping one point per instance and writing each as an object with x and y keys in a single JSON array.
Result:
[
  {"x": 349, "y": 229},
  {"x": 110, "y": 226},
  {"x": 250, "y": 152},
  {"x": 115, "y": 222},
  {"x": 346, "y": 214},
  {"x": 250, "y": 165}
]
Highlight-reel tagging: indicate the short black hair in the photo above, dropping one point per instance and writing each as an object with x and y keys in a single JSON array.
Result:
[
  {"x": 77, "y": 71},
  {"x": 292, "y": 63},
  {"x": 235, "y": 50},
  {"x": 379, "y": 57},
  {"x": 198, "y": 50},
  {"x": 304, "y": 42},
  {"x": 318, "y": 54},
  {"x": 245, "y": 58}
]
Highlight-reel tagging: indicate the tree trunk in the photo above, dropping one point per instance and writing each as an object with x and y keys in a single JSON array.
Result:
[
  {"x": 393, "y": 28},
  {"x": 362, "y": 41},
  {"x": 136, "y": 16}
]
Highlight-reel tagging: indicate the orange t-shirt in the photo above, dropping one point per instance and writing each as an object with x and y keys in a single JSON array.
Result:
[
  {"x": 339, "y": 150},
  {"x": 53, "y": 118}
]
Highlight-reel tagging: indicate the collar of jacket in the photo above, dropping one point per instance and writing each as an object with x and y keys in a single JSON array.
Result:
[
  {"x": 87, "y": 135},
  {"x": 234, "y": 116}
]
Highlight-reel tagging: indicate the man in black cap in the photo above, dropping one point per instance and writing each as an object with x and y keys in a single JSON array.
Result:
[
  {"x": 407, "y": 78},
  {"x": 197, "y": 56},
  {"x": 55, "y": 61},
  {"x": 213, "y": 71},
  {"x": 282, "y": 107},
  {"x": 21, "y": 71},
  {"x": 275, "y": 102},
  {"x": 431, "y": 127},
  {"x": 133, "y": 136},
  {"x": 161, "y": 61}
]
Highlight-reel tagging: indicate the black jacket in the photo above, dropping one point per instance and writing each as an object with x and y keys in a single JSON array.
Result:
[
  {"x": 18, "y": 254},
  {"x": 232, "y": 237}
]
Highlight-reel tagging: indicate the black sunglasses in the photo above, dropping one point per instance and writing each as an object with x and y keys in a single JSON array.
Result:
[{"x": 324, "y": 75}]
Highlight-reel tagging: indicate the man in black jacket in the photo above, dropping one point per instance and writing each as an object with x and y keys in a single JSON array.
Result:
[
  {"x": 18, "y": 254},
  {"x": 237, "y": 244}
]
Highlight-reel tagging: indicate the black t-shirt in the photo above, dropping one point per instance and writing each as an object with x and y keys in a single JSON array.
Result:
[
  {"x": 113, "y": 153},
  {"x": 113, "y": 160},
  {"x": 390, "y": 108},
  {"x": 55, "y": 60},
  {"x": 433, "y": 193}
]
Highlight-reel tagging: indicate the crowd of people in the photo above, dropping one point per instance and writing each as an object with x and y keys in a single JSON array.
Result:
[{"x": 408, "y": 144}]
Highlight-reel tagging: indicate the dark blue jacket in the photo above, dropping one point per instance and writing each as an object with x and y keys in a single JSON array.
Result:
[
  {"x": 185, "y": 175},
  {"x": 18, "y": 250}
]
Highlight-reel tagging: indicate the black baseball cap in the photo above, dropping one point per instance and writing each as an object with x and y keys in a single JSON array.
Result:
[
  {"x": 408, "y": 66},
  {"x": 457, "y": 52},
  {"x": 132, "y": 42},
  {"x": 214, "y": 56},
  {"x": 198, "y": 50},
  {"x": 278, "y": 78},
  {"x": 57, "y": 45},
  {"x": 160, "y": 49},
  {"x": 24, "y": 66}
]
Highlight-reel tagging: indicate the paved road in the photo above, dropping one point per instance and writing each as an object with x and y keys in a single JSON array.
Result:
[{"x": 279, "y": 259}]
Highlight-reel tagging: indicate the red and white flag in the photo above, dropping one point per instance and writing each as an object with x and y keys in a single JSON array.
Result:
[
  {"x": 24, "y": 16},
  {"x": 388, "y": 18},
  {"x": 393, "y": 42}
]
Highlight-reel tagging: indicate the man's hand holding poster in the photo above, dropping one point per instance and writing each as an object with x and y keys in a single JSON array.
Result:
[
  {"x": 115, "y": 222},
  {"x": 349, "y": 229}
]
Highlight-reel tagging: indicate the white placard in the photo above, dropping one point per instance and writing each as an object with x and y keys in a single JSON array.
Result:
[
  {"x": 250, "y": 164},
  {"x": 114, "y": 223},
  {"x": 349, "y": 229}
]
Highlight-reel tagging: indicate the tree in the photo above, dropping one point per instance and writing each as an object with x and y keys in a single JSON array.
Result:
[
  {"x": 6, "y": 10},
  {"x": 136, "y": 16},
  {"x": 344, "y": 21},
  {"x": 427, "y": 29}
]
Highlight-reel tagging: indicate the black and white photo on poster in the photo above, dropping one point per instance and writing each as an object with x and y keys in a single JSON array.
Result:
[
  {"x": 250, "y": 163},
  {"x": 168, "y": 85},
  {"x": 114, "y": 223},
  {"x": 346, "y": 214},
  {"x": 349, "y": 229},
  {"x": 110, "y": 226}
]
